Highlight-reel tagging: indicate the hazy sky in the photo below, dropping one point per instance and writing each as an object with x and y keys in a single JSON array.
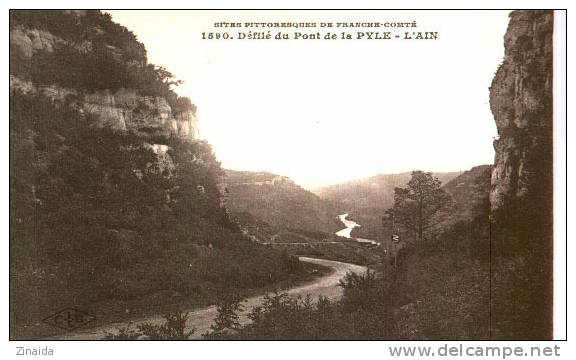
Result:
[{"x": 323, "y": 112}]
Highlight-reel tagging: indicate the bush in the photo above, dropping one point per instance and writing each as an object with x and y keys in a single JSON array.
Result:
[
  {"x": 362, "y": 313},
  {"x": 229, "y": 307},
  {"x": 174, "y": 328}
]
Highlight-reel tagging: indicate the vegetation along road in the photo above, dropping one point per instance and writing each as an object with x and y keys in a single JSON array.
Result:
[{"x": 201, "y": 319}]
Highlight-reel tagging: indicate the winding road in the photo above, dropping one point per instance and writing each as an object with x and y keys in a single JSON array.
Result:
[{"x": 202, "y": 318}]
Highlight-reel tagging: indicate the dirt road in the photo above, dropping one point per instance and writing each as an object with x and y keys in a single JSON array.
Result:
[{"x": 201, "y": 319}]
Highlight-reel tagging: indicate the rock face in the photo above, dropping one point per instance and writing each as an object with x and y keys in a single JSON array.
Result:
[
  {"x": 521, "y": 196},
  {"x": 32, "y": 40},
  {"x": 126, "y": 110},
  {"x": 123, "y": 109},
  {"x": 521, "y": 101}
]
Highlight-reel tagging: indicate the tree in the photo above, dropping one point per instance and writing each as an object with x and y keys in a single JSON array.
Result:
[
  {"x": 418, "y": 206},
  {"x": 229, "y": 307}
]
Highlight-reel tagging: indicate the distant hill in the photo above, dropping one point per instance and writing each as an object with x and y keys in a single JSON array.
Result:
[
  {"x": 271, "y": 204},
  {"x": 375, "y": 191},
  {"x": 367, "y": 199}
]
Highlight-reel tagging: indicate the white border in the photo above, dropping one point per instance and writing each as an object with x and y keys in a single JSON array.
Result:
[{"x": 288, "y": 350}]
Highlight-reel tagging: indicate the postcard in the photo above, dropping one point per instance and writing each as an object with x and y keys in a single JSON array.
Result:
[{"x": 286, "y": 175}]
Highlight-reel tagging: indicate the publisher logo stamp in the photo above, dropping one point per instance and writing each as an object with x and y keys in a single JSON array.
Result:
[{"x": 69, "y": 319}]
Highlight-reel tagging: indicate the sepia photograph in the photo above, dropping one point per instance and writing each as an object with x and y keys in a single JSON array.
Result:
[{"x": 316, "y": 175}]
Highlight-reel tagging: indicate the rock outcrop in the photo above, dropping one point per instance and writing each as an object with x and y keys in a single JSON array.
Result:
[
  {"x": 521, "y": 196},
  {"x": 123, "y": 109},
  {"x": 521, "y": 101},
  {"x": 32, "y": 40}
]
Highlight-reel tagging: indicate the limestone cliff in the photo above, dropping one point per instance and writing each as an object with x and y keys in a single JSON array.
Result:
[
  {"x": 123, "y": 110},
  {"x": 521, "y": 101},
  {"x": 522, "y": 182},
  {"x": 88, "y": 44}
]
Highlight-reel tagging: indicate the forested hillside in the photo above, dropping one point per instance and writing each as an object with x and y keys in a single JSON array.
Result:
[
  {"x": 277, "y": 202},
  {"x": 366, "y": 200},
  {"x": 115, "y": 206}
]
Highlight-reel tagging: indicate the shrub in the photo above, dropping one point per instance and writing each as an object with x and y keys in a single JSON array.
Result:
[
  {"x": 229, "y": 307},
  {"x": 173, "y": 328}
]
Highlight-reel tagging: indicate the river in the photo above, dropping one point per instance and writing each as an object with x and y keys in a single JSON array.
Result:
[{"x": 347, "y": 231}]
